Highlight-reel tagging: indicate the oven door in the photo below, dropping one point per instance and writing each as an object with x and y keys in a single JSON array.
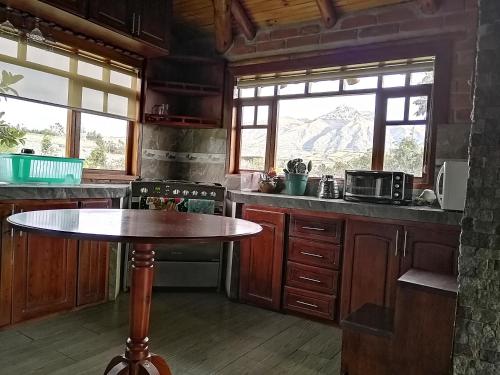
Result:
[{"x": 370, "y": 185}]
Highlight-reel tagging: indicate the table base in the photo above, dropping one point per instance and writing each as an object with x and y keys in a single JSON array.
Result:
[{"x": 153, "y": 365}]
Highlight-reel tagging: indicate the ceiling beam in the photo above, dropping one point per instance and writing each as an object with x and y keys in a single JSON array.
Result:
[
  {"x": 429, "y": 6},
  {"x": 328, "y": 13},
  {"x": 242, "y": 20},
  {"x": 222, "y": 25}
]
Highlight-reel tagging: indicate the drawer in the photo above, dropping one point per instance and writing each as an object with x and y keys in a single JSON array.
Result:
[
  {"x": 319, "y": 228},
  {"x": 314, "y": 253},
  {"x": 310, "y": 303},
  {"x": 311, "y": 278}
]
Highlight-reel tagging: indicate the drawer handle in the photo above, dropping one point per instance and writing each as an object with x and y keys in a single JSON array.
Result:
[
  {"x": 306, "y": 304},
  {"x": 309, "y": 279},
  {"x": 314, "y": 228},
  {"x": 311, "y": 254}
]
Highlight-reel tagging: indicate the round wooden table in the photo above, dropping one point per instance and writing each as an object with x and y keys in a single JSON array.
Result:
[{"x": 143, "y": 228}]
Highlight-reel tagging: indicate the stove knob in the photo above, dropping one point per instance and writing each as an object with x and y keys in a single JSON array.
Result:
[
  {"x": 176, "y": 192},
  {"x": 185, "y": 192},
  {"x": 194, "y": 193},
  {"x": 397, "y": 186},
  {"x": 203, "y": 193},
  {"x": 396, "y": 195},
  {"x": 144, "y": 190},
  {"x": 213, "y": 194},
  {"x": 397, "y": 178}
]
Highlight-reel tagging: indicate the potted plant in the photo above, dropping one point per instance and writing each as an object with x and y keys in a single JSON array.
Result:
[
  {"x": 268, "y": 181},
  {"x": 296, "y": 175}
]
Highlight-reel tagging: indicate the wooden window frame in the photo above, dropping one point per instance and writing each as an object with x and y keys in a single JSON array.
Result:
[{"x": 438, "y": 105}]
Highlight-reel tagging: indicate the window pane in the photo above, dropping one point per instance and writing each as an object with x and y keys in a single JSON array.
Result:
[
  {"x": 103, "y": 142},
  {"x": 420, "y": 78},
  {"x": 360, "y": 83},
  {"x": 324, "y": 86},
  {"x": 266, "y": 90},
  {"x": 262, "y": 115},
  {"x": 253, "y": 149},
  {"x": 335, "y": 133},
  {"x": 117, "y": 105},
  {"x": 47, "y": 58},
  {"x": 45, "y": 126},
  {"x": 418, "y": 108},
  {"x": 292, "y": 88},
  {"x": 395, "y": 109},
  {"x": 247, "y": 93},
  {"x": 8, "y": 47},
  {"x": 89, "y": 70},
  {"x": 121, "y": 79},
  {"x": 92, "y": 99},
  {"x": 247, "y": 115},
  {"x": 404, "y": 149},
  {"x": 394, "y": 80},
  {"x": 235, "y": 93}
]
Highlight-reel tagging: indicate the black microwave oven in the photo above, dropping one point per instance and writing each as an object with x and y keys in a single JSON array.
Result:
[{"x": 378, "y": 187}]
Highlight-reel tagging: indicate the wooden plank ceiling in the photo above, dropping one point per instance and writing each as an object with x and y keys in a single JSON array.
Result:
[{"x": 199, "y": 14}]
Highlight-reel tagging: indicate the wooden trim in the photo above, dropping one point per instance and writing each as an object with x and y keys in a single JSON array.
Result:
[
  {"x": 222, "y": 25},
  {"x": 242, "y": 19},
  {"x": 327, "y": 11}
]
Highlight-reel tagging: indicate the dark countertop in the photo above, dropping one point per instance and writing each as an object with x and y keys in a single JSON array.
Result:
[
  {"x": 83, "y": 191},
  {"x": 406, "y": 213}
]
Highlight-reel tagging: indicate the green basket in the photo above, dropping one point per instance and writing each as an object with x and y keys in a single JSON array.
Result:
[{"x": 19, "y": 169}]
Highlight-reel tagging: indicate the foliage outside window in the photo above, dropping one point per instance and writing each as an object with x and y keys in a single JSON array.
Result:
[{"x": 377, "y": 121}]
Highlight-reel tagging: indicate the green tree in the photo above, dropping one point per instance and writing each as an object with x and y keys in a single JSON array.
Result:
[
  {"x": 406, "y": 156},
  {"x": 97, "y": 158},
  {"x": 46, "y": 145},
  {"x": 57, "y": 129},
  {"x": 10, "y": 136}
]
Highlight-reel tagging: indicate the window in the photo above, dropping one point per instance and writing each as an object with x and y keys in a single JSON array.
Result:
[
  {"x": 350, "y": 119},
  {"x": 70, "y": 104}
]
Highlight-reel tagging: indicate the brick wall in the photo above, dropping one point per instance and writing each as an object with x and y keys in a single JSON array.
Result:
[
  {"x": 396, "y": 22},
  {"x": 477, "y": 340}
]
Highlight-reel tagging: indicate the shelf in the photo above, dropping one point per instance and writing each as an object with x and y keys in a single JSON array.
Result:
[
  {"x": 181, "y": 121},
  {"x": 184, "y": 88}
]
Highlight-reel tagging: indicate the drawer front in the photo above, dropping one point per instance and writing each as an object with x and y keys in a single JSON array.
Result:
[
  {"x": 319, "y": 228},
  {"x": 310, "y": 303},
  {"x": 322, "y": 254},
  {"x": 312, "y": 278}
]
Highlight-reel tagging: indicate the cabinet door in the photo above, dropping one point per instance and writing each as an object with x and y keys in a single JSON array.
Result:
[
  {"x": 6, "y": 265},
  {"x": 93, "y": 264},
  {"x": 153, "y": 23},
  {"x": 118, "y": 15},
  {"x": 371, "y": 265},
  {"x": 79, "y": 7},
  {"x": 433, "y": 250},
  {"x": 44, "y": 270},
  {"x": 262, "y": 260}
]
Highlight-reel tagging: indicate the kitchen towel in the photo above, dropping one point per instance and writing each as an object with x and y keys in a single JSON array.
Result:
[
  {"x": 201, "y": 206},
  {"x": 167, "y": 204}
]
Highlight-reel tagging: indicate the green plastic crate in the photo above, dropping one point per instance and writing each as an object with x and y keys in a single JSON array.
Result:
[{"x": 20, "y": 169}]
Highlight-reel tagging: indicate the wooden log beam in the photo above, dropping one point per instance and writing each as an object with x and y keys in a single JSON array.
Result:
[
  {"x": 328, "y": 13},
  {"x": 222, "y": 25},
  {"x": 242, "y": 20},
  {"x": 429, "y": 6}
]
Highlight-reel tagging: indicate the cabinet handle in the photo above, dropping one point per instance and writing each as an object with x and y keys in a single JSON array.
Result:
[
  {"x": 139, "y": 25},
  {"x": 311, "y": 254},
  {"x": 306, "y": 304},
  {"x": 404, "y": 245},
  {"x": 313, "y": 228},
  {"x": 309, "y": 279},
  {"x": 397, "y": 243},
  {"x": 11, "y": 232},
  {"x": 133, "y": 23}
]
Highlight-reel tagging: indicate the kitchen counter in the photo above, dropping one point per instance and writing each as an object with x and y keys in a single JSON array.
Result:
[
  {"x": 41, "y": 191},
  {"x": 406, "y": 213}
]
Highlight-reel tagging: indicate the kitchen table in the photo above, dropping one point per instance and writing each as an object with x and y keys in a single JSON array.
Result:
[{"x": 143, "y": 228}]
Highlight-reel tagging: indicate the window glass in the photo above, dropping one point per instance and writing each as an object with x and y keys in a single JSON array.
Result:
[
  {"x": 418, "y": 108},
  {"x": 265, "y": 91},
  {"x": 395, "y": 109},
  {"x": 394, "y": 80},
  {"x": 89, "y": 70},
  {"x": 117, "y": 105},
  {"x": 120, "y": 79},
  {"x": 8, "y": 47},
  {"x": 47, "y": 58},
  {"x": 247, "y": 93},
  {"x": 253, "y": 149},
  {"x": 262, "y": 114},
  {"x": 235, "y": 92},
  {"x": 420, "y": 78},
  {"x": 44, "y": 126},
  {"x": 360, "y": 83},
  {"x": 103, "y": 142},
  {"x": 404, "y": 148},
  {"x": 291, "y": 88},
  {"x": 247, "y": 115},
  {"x": 324, "y": 86},
  {"x": 335, "y": 133},
  {"x": 92, "y": 99}
]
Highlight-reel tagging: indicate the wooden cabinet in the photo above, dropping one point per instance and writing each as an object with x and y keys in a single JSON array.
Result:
[
  {"x": 6, "y": 264},
  {"x": 370, "y": 266},
  {"x": 78, "y": 7},
  {"x": 153, "y": 20},
  {"x": 261, "y": 265},
  {"x": 45, "y": 270},
  {"x": 118, "y": 15},
  {"x": 93, "y": 263}
]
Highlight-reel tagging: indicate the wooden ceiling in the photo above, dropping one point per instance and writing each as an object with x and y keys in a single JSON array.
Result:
[{"x": 199, "y": 14}]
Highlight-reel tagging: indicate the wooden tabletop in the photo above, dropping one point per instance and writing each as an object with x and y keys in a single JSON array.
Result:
[{"x": 143, "y": 226}]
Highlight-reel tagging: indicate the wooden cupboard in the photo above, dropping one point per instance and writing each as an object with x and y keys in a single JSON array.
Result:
[
  {"x": 78, "y": 7},
  {"x": 153, "y": 19},
  {"x": 261, "y": 264},
  {"x": 6, "y": 263},
  {"x": 118, "y": 15}
]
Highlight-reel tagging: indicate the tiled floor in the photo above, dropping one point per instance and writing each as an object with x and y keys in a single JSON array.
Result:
[{"x": 198, "y": 333}]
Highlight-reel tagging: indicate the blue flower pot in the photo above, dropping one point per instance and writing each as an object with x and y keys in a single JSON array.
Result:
[{"x": 295, "y": 183}]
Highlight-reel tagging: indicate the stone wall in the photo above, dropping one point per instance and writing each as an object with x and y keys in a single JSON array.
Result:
[{"x": 477, "y": 342}]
